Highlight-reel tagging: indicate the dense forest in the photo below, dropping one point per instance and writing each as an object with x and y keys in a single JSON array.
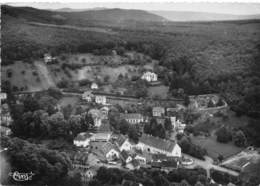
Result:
[{"x": 194, "y": 58}]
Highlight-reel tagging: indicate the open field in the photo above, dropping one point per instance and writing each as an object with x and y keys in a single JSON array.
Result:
[
  {"x": 91, "y": 72},
  {"x": 25, "y": 76},
  {"x": 214, "y": 148},
  {"x": 69, "y": 100},
  {"x": 160, "y": 91}
]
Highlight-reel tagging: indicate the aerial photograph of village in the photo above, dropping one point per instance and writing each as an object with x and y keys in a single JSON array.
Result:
[{"x": 130, "y": 94}]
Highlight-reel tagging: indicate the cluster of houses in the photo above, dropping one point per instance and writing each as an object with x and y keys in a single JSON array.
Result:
[
  {"x": 149, "y": 151},
  {"x": 160, "y": 113},
  {"x": 5, "y": 116},
  {"x": 202, "y": 101},
  {"x": 118, "y": 149}
]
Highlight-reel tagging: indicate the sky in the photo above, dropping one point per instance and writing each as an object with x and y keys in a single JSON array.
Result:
[{"x": 217, "y": 7}]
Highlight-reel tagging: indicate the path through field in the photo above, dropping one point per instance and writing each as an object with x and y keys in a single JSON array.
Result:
[{"x": 46, "y": 78}]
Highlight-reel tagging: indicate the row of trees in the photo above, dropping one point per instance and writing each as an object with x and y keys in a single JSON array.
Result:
[{"x": 183, "y": 177}]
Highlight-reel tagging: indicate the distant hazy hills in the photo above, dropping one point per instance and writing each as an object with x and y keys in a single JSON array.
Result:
[
  {"x": 108, "y": 17},
  {"x": 68, "y": 16},
  {"x": 76, "y": 10},
  {"x": 201, "y": 16},
  {"x": 181, "y": 15}
]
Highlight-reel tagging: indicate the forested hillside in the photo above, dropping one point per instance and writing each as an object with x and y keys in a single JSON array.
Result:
[{"x": 196, "y": 57}]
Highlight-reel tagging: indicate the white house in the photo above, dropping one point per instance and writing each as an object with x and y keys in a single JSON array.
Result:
[
  {"x": 177, "y": 125},
  {"x": 110, "y": 151},
  {"x": 3, "y": 96},
  {"x": 5, "y": 131},
  {"x": 87, "y": 95},
  {"x": 90, "y": 173},
  {"x": 158, "y": 111},
  {"x": 126, "y": 145},
  {"x": 101, "y": 136},
  {"x": 5, "y": 116},
  {"x": 140, "y": 158},
  {"x": 82, "y": 139},
  {"x": 133, "y": 118},
  {"x": 100, "y": 99},
  {"x": 47, "y": 58},
  {"x": 155, "y": 145},
  {"x": 104, "y": 111},
  {"x": 97, "y": 116},
  {"x": 149, "y": 76},
  {"x": 94, "y": 86}
]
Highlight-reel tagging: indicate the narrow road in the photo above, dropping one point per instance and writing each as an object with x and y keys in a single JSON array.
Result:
[{"x": 208, "y": 164}]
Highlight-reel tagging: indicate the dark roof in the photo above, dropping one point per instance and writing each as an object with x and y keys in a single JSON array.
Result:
[
  {"x": 158, "y": 143},
  {"x": 159, "y": 157},
  {"x": 80, "y": 158},
  {"x": 162, "y": 157},
  {"x": 120, "y": 139},
  {"x": 125, "y": 154},
  {"x": 169, "y": 164},
  {"x": 107, "y": 147},
  {"x": 83, "y": 136},
  {"x": 135, "y": 163}
]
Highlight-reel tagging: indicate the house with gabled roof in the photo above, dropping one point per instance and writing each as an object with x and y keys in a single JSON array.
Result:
[
  {"x": 80, "y": 160},
  {"x": 82, "y": 139},
  {"x": 101, "y": 99},
  {"x": 178, "y": 126},
  {"x": 104, "y": 110},
  {"x": 94, "y": 85},
  {"x": 126, "y": 156},
  {"x": 156, "y": 145},
  {"x": 149, "y": 76},
  {"x": 158, "y": 111},
  {"x": 110, "y": 151},
  {"x": 105, "y": 150},
  {"x": 123, "y": 143},
  {"x": 87, "y": 95},
  {"x": 143, "y": 157}
]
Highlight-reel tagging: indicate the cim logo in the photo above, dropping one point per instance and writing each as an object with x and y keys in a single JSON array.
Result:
[{"x": 17, "y": 176}]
